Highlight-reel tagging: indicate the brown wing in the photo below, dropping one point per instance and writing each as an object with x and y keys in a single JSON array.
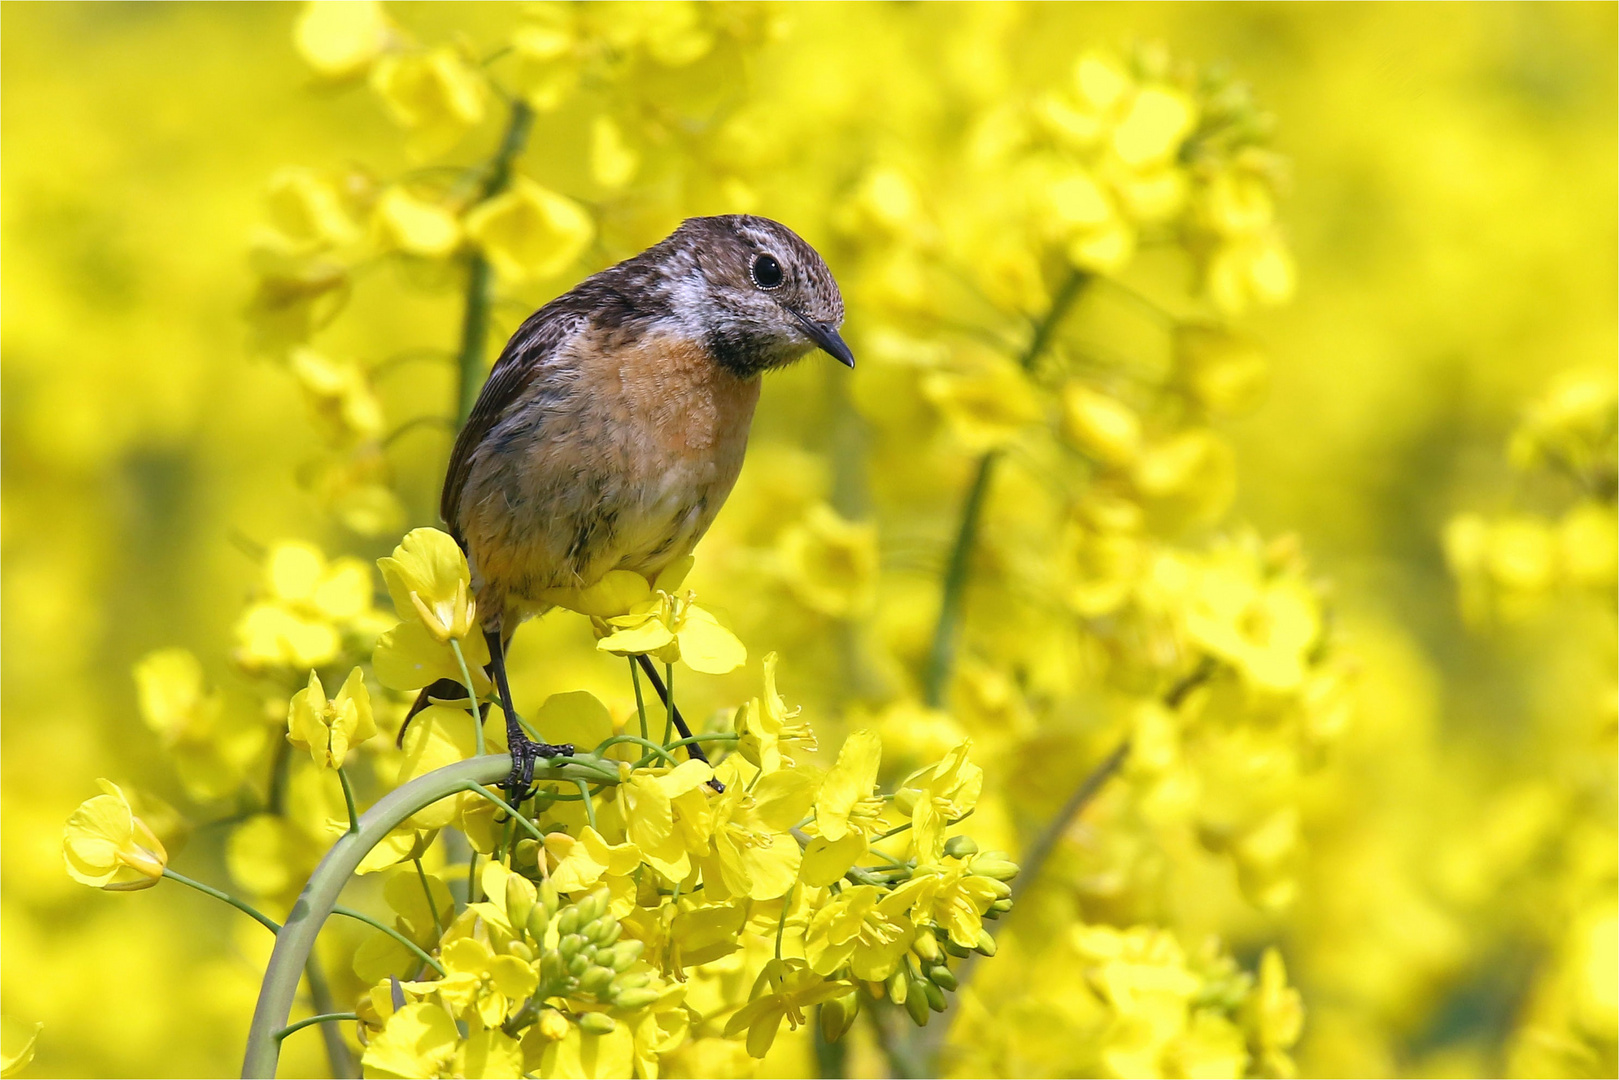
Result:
[{"x": 522, "y": 360}]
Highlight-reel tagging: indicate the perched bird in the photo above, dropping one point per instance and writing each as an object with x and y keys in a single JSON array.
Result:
[{"x": 613, "y": 424}]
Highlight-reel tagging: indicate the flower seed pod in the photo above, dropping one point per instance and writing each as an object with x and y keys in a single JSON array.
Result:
[
  {"x": 942, "y": 977},
  {"x": 597, "y": 1023},
  {"x": 838, "y": 1015},
  {"x": 961, "y": 847},
  {"x": 898, "y": 987},
  {"x": 986, "y": 944}
]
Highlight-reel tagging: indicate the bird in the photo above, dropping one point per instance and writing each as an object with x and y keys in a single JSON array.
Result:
[{"x": 613, "y": 425}]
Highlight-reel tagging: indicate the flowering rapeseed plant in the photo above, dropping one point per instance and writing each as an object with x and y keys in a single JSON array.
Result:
[{"x": 998, "y": 582}]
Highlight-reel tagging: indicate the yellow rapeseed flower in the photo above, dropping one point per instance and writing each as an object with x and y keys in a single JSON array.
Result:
[
  {"x": 829, "y": 563},
  {"x": 530, "y": 232},
  {"x": 418, "y": 1040},
  {"x": 864, "y": 927},
  {"x": 415, "y": 226},
  {"x": 437, "y": 95},
  {"x": 672, "y": 627},
  {"x": 784, "y": 990},
  {"x": 329, "y": 729},
  {"x": 17, "y": 1042},
  {"x": 428, "y": 578},
  {"x": 340, "y": 38},
  {"x": 107, "y": 846},
  {"x": 846, "y": 812}
]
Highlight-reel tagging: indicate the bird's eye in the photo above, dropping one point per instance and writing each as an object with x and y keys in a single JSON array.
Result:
[{"x": 766, "y": 271}]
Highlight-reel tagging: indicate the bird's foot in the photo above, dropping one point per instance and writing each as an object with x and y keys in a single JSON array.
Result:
[{"x": 525, "y": 752}]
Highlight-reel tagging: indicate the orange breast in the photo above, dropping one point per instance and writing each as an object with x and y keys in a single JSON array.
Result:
[{"x": 684, "y": 404}]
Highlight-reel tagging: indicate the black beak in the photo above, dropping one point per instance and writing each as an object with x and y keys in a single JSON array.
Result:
[{"x": 826, "y": 337}]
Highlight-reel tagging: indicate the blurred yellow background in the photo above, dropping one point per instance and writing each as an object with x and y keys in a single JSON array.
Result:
[{"x": 1452, "y": 213}]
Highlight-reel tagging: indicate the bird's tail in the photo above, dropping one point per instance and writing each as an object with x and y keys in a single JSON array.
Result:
[{"x": 446, "y": 691}]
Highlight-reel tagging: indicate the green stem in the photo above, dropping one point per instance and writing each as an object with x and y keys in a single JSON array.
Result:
[
  {"x": 640, "y": 702},
  {"x": 942, "y": 654},
  {"x": 531, "y": 828},
  {"x": 480, "y": 276},
  {"x": 240, "y": 905},
  {"x": 657, "y": 751},
  {"x": 323, "y": 1018},
  {"x": 296, "y": 940},
  {"x": 348, "y": 798},
  {"x": 378, "y": 924},
  {"x": 472, "y": 696},
  {"x": 590, "y": 806},
  {"x": 427, "y": 889}
]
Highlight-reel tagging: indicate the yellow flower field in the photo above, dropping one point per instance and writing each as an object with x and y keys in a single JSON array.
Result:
[{"x": 1183, "y": 645}]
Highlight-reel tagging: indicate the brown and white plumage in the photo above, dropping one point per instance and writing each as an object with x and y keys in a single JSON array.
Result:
[{"x": 614, "y": 423}]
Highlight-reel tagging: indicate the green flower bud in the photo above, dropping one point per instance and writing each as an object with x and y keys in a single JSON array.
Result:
[
  {"x": 568, "y": 921},
  {"x": 552, "y": 968},
  {"x": 595, "y": 980},
  {"x": 953, "y": 949},
  {"x": 609, "y": 932},
  {"x": 986, "y": 944},
  {"x": 927, "y": 947},
  {"x": 569, "y": 944},
  {"x": 639, "y": 998},
  {"x": 597, "y": 1023},
  {"x": 579, "y": 965},
  {"x": 942, "y": 977},
  {"x": 898, "y": 987},
  {"x": 932, "y": 994},
  {"x": 1001, "y": 907},
  {"x": 521, "y": 950},
  {"x": 838, "y": 1015},
  {"x": 538, "y": 919},
  {"x": 994, "y": 864},
  {"x": 631, "y": 980},
  {"x": 549, "y": 898},
  {"x": 917, "y": 1005},
  {"x": 961, "y": 847},
  {"x": 623, "y": 954},
  {"x": 1002, "y": 890},
  {"x": 991, "y": 913},
  {"x": 593, "y": 906},
  {"x": 519, "y": 900}
]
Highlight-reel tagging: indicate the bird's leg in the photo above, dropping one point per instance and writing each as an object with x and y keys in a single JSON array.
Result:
[
  {"x": 693, "y": 749},
  {"x": 525, "y": 751}
]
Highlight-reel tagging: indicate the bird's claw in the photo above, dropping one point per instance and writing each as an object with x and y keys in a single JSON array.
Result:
[{"x": 525, "y": 753}]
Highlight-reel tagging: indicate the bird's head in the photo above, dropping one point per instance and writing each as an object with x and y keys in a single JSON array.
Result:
[{"x": 760, "y": 296}]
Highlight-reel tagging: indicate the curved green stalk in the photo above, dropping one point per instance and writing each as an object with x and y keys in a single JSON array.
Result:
[
  {"x": 323, "y": 1018},
  {"x": 296, "y": 939},
  {"x": 378, "y": 924},
  {"x": 240, "y": 905},
  {"x": 348, "y": 799}
]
